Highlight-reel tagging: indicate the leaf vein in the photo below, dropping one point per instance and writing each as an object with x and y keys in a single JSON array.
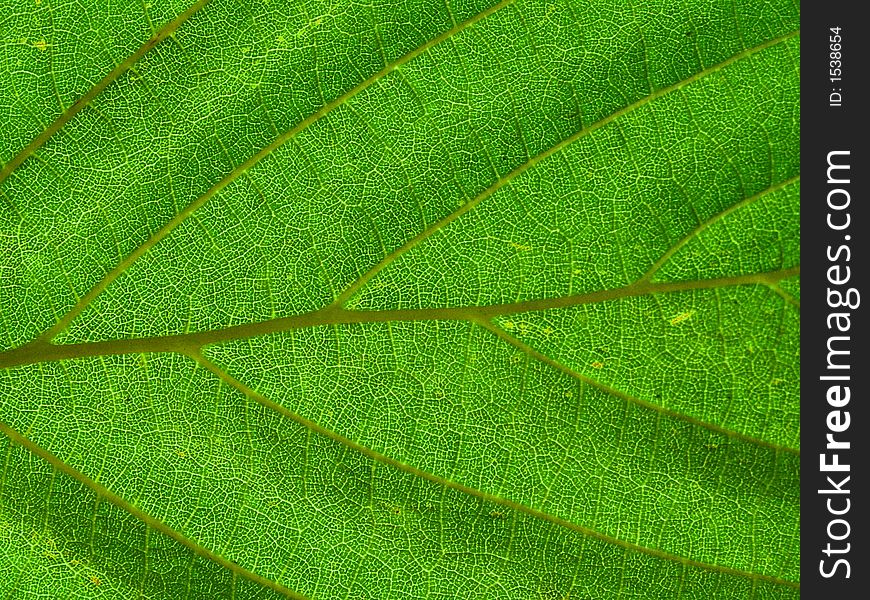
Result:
[
  {"x": 502, "y": 334},
  {"x": 41, "y": 350},
  {"x": 532, "y": 162},
  {"x": 648, "y": 276},
  {"x": 485, "y": 496},
  {"x": 84, "y": 100},
  {"x": 103, "y": 492},
  {"x": 239, "y": 170}
]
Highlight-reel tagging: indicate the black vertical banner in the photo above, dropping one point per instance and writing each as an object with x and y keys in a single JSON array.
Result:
[{"x": 835, "y": 362}]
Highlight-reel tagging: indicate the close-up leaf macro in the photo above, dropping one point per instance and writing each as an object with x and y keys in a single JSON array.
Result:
[{"x": 399, "y": 299}]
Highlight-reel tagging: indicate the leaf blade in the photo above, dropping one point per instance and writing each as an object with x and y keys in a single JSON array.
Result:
[{"x": 216, "y": 383}]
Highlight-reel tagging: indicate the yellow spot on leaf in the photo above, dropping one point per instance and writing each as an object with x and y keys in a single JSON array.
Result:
[
  {"x": 521, "y": 247},
  {"x": 683, "y": 316},
  {"x": 313, "y": 23},
  {"x": 597, "y": 365},
  {"x": 547, "y": 19},
  {"x": 40, "y": 45},
  {"x": 95, "y": 580}
]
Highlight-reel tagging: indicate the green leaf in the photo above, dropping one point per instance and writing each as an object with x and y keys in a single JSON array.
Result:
[{"x": 399, "y": 299}]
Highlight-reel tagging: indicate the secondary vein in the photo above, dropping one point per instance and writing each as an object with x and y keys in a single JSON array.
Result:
[
  {"x": 241, "y": 169},
  {"x": 503, "y": 181},
  {"x": 465, "y": 489},
  {"x": 105, "y": 493},
  {"x": 84, "y": 100},
  {"x": 519, "y": 344},
  {"x": 648, "y": 276}
]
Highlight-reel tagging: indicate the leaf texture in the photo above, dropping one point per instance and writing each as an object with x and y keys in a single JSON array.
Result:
[{"x": 399, "y": 299}]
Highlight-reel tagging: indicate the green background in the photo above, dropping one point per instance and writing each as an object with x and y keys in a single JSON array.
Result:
[{"x": 399, "y": 299}]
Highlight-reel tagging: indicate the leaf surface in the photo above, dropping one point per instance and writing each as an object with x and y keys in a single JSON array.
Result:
[{"x": 400, "y": 300}]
